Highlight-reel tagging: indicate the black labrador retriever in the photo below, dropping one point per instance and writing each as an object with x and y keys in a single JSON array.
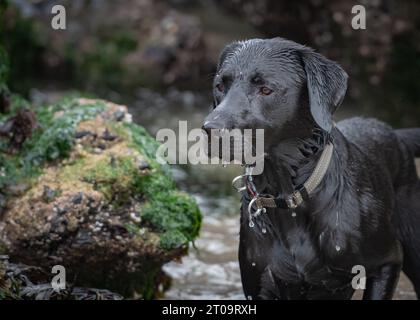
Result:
[{"x": 365, "y": 208}]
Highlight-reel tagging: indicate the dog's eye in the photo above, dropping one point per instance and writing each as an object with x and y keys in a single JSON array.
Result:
[
  {"x": 265, "y": 91},
  {"x": 220, "y": 87}
]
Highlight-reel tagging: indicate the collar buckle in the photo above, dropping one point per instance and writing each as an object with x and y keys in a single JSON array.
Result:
[
  {"x": 291, "y": 202},
  {"x": 255, "y": 212},
  {"x": 294, "y": 200}
]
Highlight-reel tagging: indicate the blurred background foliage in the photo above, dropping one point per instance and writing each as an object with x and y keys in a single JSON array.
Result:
[{"x": 120, "y": 46}]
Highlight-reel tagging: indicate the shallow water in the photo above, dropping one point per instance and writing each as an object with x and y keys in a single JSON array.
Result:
[{"x": 211, "y": 271}]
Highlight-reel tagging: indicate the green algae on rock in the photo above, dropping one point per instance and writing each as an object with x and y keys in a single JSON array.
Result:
[{"x": 86, "y": 192}]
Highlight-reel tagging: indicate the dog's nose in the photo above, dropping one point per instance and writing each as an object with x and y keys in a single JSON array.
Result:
[{"x": 208, "y": 126}]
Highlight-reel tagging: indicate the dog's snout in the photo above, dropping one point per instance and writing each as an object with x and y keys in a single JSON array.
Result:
[{"x": 208, "y": 126}]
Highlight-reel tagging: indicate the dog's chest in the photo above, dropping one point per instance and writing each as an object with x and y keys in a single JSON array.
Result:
[{"x": 293, "y": 256}]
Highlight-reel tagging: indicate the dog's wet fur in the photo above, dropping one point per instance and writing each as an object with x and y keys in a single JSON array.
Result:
[{"x": 366, "y": 210}]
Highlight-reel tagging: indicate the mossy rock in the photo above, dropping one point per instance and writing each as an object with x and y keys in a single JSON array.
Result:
[{"x": 86, "y": 192}]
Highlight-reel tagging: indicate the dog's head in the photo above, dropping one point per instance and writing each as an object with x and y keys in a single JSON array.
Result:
[{"x": 276, "y": 85}]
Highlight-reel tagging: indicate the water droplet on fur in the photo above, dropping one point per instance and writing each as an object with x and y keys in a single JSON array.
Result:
[
  {"x": 294, "y": 214},
  {"x": 251, "y": 224},
  {"x": 264, "y": 230},
  {"x": 337, "y": 248},
  {"x": 253, "y": 264}
]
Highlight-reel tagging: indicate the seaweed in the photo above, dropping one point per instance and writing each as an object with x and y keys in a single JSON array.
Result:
[{"x": 172, "y": 213}]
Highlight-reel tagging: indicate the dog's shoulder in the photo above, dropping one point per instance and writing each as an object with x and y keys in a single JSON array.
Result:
[
  {"x": 374, "y": 144},
  {"x": 369, "y": 133}
]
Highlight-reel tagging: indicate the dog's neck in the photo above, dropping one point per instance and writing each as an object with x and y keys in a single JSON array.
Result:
[{"x": 290, "y": 163}]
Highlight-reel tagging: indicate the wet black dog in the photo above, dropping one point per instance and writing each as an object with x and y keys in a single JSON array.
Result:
[{"x": 365, "y": 211}]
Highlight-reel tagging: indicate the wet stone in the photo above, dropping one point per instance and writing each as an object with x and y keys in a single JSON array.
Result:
[
  {"x": 101, "y": 146},
  {"x": 49, "y": 194},
  {"x": 92, "y": 203},
  {"x": 82, "y": 134},
  {"x": 58, "y": 226},
  {"x": 61, "y": 211},
  {"x": 143, "y": 165},
  {"x": 108, "y": 136},
  {"x": 78, "y": 198},
  {"x": 83, "y": 237},
  {"x": 119, "y": 115}
]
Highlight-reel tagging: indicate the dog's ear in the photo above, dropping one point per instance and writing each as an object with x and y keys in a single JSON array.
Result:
[
  {"x": 228, "y": 50},
  {"x": 327, "y": 85}
]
